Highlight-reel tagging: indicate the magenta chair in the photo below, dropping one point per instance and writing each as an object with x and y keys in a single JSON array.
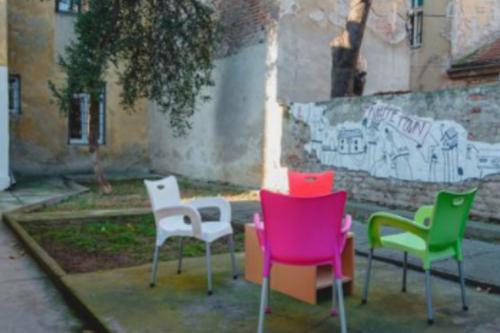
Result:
[{"x": 302, "y": 231}]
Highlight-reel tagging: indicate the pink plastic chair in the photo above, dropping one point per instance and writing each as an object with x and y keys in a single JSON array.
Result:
[
  {"x": 305, "y": 184},
  {"x": 287, "y": 239}
]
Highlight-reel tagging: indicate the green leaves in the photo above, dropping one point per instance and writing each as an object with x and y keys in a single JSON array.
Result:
[{"x": 162, "y": 50}]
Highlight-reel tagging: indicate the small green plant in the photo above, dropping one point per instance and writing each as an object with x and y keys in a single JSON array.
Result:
[{"x": 113, "y": 243}]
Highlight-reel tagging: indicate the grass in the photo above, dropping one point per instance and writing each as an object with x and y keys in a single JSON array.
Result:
[
  {"x": 132, "y": 194},
  {"x": 88, "y": 246}
]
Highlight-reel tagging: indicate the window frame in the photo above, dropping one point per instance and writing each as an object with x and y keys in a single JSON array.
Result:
[
  {"x": 84, "y": 139},
  {"x": 14, "y": 111},
  {"x": 416, "y": 23},
  {"x": 71, "y": 11}
]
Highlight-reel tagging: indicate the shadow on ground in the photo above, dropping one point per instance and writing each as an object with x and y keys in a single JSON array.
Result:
[{"x": 123, "y": 300}]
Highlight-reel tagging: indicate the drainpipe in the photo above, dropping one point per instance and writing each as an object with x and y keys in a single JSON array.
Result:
[{"x": 4, "y": 100}]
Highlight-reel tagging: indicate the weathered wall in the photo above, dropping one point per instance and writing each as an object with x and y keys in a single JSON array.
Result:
[
  {"x": 3, "y": 32},
  {"x": 399, "y": 150},
  {"x": 476, "y": 23},
  {"x": 4, "y": 112},
  {"x": 306, "y": 28},
  {"x": 39, "y": 135},
  {"x": 226, "y": 142},
  {"x": 430, "y": 61},
  {"x": 452, "y": 29}
]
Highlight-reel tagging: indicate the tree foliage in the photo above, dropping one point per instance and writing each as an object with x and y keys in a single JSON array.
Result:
[{"x": 162, "y": 50}]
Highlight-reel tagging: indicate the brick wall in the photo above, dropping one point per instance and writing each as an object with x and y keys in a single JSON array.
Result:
[
  {"x": 472, "y": 113},
  {"x": 244, "y": 22}
]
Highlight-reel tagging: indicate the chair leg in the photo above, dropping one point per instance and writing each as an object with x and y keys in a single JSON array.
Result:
[
  {"x": 233, "y": 259},
  {"x": 405, "y": 268},
  {"x": 209, "y": 267},
  {"x": 179, "y": 264},
  {"x": 263, "y": 302},
  {"x": 155, "y": 267},
  {"x": 428, "y": 291},
  {"x": 340, "y": 298},
  {"x": 268, "y": 308},
  {"x": 462, "y": 285},
  {"x": 367, "y": 278},
  {"x": 335, "y": 298}
]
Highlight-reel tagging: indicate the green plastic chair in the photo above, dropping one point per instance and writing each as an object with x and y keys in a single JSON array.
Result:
[{"x": 439, "y": 239}]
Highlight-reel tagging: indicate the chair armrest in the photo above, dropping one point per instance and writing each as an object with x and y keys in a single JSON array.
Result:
[
  {"x": 259, "y": 228},
  {"x": 181, "y": 210},
  {"x": 377, "y": 220},
  {"x": 347, "y": 224},
  {"x": 423, "y": 213},
  {"x": 215, "y": 202}
]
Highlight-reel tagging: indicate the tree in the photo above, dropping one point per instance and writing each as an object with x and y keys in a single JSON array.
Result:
[
  {"x": 346, "y": 80},
  {"x": 162, "y": 50}
]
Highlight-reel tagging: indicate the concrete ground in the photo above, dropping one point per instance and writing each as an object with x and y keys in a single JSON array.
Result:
[
  {"x": 28, "y": 300},
  {"x": 123, "y": 299}
]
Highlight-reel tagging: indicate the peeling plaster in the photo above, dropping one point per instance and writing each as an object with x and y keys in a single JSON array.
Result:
[
  {"x": 476, "y": 22},
  {"x": 386, "y": 19}
]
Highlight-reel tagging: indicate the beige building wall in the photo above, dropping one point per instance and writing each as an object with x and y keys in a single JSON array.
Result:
[
  {"x": 39, "y": 135},
  {"x": 4, "y": 112},
  {"x": 432, "y": 59},
  {"x": 452, "y": 29}
]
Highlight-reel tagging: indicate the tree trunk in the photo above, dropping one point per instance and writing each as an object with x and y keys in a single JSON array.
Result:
[
  {"x": 345, "y": 50},
  {"x": 104, "y": 185}
]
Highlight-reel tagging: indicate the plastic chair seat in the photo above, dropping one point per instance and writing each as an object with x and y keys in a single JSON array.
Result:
[
  {"x": 210, "y": 231},
  {"x": 213, "y": 230},
  {"x": 405, "y": 242}
]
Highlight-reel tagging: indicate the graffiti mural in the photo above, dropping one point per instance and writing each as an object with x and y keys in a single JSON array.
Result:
[{"x": 389, "y": 143}]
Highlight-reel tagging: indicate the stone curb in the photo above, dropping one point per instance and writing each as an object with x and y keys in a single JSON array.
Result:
[{"x": 56, "y": 274}]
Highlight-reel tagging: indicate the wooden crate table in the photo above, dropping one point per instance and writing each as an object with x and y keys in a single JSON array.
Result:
[{"x": 301, "y": 282}]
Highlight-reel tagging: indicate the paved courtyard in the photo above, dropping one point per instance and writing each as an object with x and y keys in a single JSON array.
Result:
[
  {"x": 124, "y": 300},
  {"x": 28, "y": 300}
]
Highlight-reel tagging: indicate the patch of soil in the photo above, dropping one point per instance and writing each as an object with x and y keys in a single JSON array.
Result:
[
  {"x": 78, "y": 261},
  {"x": 89, "y": 246}
]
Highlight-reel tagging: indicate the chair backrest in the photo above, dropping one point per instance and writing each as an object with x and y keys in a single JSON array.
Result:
[
  {"x": 451, "y": 212},
  {"x": 303, "y": 184},
  {"x": 163, "y": 193},
  {"x": 289, "y": 239}
]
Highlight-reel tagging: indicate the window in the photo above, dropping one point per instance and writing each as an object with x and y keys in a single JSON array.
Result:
[
  {"x": 68, "y": 6},
  {"x": 78, "y": 119},
  {"x": 416, "y": 18},
  {"x": 14, "y": 94}
]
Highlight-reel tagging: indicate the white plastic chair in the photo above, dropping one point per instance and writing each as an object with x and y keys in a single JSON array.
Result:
[{"x": 169, "y": 213}]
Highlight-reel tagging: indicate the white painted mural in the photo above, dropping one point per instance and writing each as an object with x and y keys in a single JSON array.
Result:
[{"x": 389, "y": 143}]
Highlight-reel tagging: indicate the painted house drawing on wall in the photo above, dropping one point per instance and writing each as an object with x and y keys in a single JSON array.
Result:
[{"x": 389, "y": 143}]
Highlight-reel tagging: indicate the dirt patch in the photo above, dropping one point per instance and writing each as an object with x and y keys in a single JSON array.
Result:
[{"x": 88, "y": 246}]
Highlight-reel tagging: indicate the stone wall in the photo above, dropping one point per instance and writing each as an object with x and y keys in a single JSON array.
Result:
[{"x": 400, "y": 150}]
